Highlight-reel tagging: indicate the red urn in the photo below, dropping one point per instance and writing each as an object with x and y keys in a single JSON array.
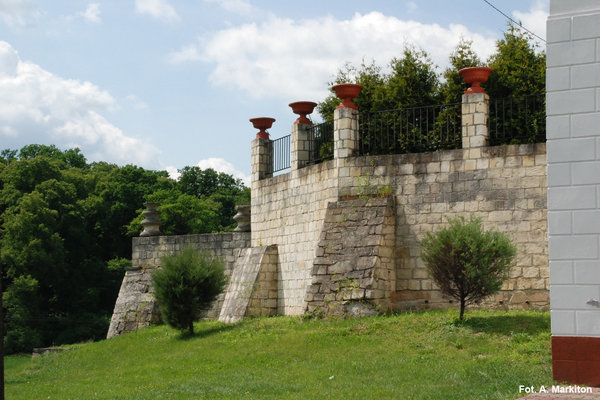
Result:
[
  {"x": 347, "y": 92},
  {"x": 303, "y": 108},
  {"x": 262, "y": 124},
  {"x": 475, "y": 76}
]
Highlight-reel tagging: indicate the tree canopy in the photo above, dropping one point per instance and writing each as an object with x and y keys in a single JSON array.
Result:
[
  {"x": 66, "y": 228},
  {"x": 412, "y": 80}
]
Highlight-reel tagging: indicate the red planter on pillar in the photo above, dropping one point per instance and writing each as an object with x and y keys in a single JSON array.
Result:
[
  {"x": 475, "y": 76},
  {"x": 347, "y": 92},
  {"x": 303, "y": 108},
  {"x": 262, "y": 124}
]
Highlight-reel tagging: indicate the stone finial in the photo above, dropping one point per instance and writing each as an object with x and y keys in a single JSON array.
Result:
[
  {"x": 151, "y": 222},
  {"x": 262, "y": 124},
  {"x": 347, "y": 92},
  {"x": 303, "y": 108},
  {"x": 475, "y": 76},
  {"x": 242, "y": 218}
]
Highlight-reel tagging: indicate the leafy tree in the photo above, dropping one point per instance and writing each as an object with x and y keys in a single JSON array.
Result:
[
  {"x": 22, "y": 307},
  {"x": 72, "y": 157},
  {"x": 62, "y": 221},
  {"x": 519, "y": 73},
  {"x": 182, "y": 213},
  {"x": 518, "y": 68},
  {"x": 412, "y": 81},
  {"x": 454, "y": 86},
  {"x": 467, "y": 263},
  {"x": 369, "y": 76},
  {"x": 217, "y": 187},
  {"x": 187, "y": 283}
]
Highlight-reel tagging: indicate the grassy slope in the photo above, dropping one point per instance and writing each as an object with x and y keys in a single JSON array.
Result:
[{"x": 408, "y": 356}]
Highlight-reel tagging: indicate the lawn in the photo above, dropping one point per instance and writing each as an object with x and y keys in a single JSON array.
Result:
[{"x": 428, "y": 355}]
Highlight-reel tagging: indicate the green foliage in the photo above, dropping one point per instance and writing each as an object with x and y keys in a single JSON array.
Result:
[
  {"x": 182, "y": 213},
  {"x": 217, "y": 187},
  {"x": 64, "y": 225},
  {"x": 454, "y": 86},
  {"x": 187, "y": 283},
  {"x": 519, "y": 72},
  {"x": 518, "y": 69},
  {"x": 22, "y": 307},
  {"x": 467, "y": 263},
  {"x": 411, "y": 81}
]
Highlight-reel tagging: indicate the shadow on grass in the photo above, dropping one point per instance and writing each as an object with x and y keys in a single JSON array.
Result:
[
  {"x": 506, "y": 324},
  {"x": 205, "y": 332}
]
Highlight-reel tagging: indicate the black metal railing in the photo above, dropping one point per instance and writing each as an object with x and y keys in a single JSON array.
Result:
[
  {"x": 410, "y": 130},
  {"x": 515, "y": 120},
  {"x": 320, "y": 142},
  {"x": 281, "y": 153}
]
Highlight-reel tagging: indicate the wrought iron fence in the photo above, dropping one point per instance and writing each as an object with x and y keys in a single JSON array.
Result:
[
  {"x": 320, "y": 142},
  {"x": 410, "y": 130},
  {"x": 515, "y": 120},
  {"x": 281, "y": 153}
]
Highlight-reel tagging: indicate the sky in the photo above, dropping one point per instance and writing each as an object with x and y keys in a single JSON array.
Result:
[{"x": 164, "y": 84}]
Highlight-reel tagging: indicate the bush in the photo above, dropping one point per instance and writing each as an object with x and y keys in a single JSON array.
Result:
[
  {"x": 187, "y": 283},
  {"x": 467, "y": 263}
]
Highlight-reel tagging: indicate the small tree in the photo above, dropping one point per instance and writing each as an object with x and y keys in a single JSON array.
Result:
[
  {"x": 466, "y": 262},
  {"x": 187, "y": 283}
]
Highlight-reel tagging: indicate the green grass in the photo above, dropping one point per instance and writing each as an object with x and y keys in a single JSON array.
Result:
[{"x": 427, "y": 355}]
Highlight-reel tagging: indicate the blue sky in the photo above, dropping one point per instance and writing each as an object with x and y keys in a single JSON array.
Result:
[{"x": 169, "y": 83}]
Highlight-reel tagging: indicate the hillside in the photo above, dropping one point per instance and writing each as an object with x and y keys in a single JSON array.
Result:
[{"x": 409, "y": 356}]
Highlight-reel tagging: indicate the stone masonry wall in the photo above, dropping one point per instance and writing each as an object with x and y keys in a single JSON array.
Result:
[
  {"x": 288, "y": 211},
  {"x": 353, "y": 272},
  {"x": 504, "y": 185},
  {"x": 252, "y": 288},
  {"x": 135, "y": 307}
]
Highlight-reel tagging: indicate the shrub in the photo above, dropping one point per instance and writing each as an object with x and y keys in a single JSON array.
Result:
[
  {"x": 467, "y": 263},
  {"x": 187, "y": 283}
]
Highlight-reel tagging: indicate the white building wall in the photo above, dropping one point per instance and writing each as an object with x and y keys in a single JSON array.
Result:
[{"x": 573, "y": 146}]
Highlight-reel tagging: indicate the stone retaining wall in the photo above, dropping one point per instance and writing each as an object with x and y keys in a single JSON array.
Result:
[
  {"x": 135, "y": 307},
  {"x": 288, "y": 211},
  {"x": 504, "y": 185}
]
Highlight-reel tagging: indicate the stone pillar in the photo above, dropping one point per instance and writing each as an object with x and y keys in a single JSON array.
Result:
[
  {"x": 345, "y": 132},
  {"x": 475, "y": 113},
  {"x": 262, "y": 159},
  {"x": 300, "y": 145}
]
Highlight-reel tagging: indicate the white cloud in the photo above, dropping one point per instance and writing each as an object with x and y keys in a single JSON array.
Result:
[
  {"x": 290, "y": 59},
  {"x": 221, "y": 165},
  {"x": 16, "y": 12},
  {"x": 535, "y": 19},
  {"x": 218, "y": 164},
  {"x": 136, "y": 102},
  {"x": 39, "y": 107},
  {"x": 241, "y": 7},
  {"x": 173, "y": 172},
  {"x": 92, "y": 13},
  {"x": 159, "y": 9}
]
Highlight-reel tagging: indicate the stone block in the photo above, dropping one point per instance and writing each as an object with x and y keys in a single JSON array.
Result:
[
  {"x": 573, "y": 247},
  {"x": 587, "y": 221},
  {"x": 570, "y": 53},
  {"x": 558, "y": 78},
  {"x": 570, "y": 102},
  {"x": 558, "y": 30},
  {"x": 571, "y": 197}
]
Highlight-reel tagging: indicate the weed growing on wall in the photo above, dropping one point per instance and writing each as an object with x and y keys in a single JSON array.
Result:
[{"x": 467, "y": 263}]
